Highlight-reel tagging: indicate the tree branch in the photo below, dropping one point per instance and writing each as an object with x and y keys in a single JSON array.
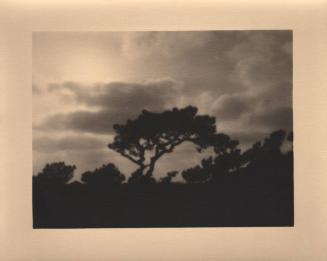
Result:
[
  {"x": 138, "y": 162},
  {"x": 142, "y": 152},
  {"x": 159, "y": 153}
]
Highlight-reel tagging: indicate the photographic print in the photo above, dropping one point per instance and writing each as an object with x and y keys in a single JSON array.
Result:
[{"x": 162, "y": 129}]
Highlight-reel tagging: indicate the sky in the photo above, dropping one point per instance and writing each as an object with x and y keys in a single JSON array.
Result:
[{"x": 85, "y": 82}]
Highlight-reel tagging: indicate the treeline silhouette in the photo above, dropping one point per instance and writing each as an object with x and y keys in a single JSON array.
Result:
[{"x": 231, "y": 188}]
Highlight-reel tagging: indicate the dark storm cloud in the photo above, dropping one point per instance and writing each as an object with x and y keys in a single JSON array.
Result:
[
  {"x": 230, "y": 61},
  {"x": 232, "y": 107},
  {"x": 154, "y": 93},
  {"x": 217, "y": 61},
  {"x": 256, "y": 122},
  {"x": 84, "y": 121},
  {"x": 115, "y": 102},
  {"x": 257, "y": 125},
  {"x": 273, "y": 119},
  {"x": 248, "y": 138},
  {"x": 262, "y": 59},
  {"x": 68, "y": 143}
]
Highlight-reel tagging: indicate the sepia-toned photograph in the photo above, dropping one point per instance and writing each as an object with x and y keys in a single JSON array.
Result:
[{"x": 140, "y": 129}]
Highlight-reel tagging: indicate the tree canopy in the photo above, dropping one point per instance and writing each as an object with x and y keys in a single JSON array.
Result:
[
  {"x": 147, "y": 138},
  {"x": 105, "y": 176},
  {"x": 56, "y": 173}
]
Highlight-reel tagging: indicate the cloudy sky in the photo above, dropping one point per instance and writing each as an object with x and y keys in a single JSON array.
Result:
[{"x": 84, "y": 82}]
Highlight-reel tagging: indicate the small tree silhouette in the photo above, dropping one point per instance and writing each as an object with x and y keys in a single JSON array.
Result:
[
  {"x": 228, "y": 159},
  {"x": 267, "y": 163},
  {"x": 200, "y": 173},
  {"x": 106, "y": 176},
  {"x": 56, "y": 173},
  {"x": 170, "y": 175},
  {"x": 269, "y": 149},
  {"x": 223, "y": 144},
  {"x": 137, "y": 178},
  {"x": 146, "y": 139}
]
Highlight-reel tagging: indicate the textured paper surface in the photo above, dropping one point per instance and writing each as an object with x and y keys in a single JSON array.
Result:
[{"x": 305, "y": 241}]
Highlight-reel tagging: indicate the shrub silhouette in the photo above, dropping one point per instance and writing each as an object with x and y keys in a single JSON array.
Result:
[
  {"x": 57, "y": 173},
  {"x": 223, "y": 144},
  {"x": 266, "y": 161},
  {"x": 104, "y": 177},
  {"x": 158, "y": 134},
  {"x": 137, "y": 178},
  {"x": 167, "y": 179},
  {"x": 200, "y": 173},
  {"x": 227, "y": 160},
  {"x": 266, "y": 151}
]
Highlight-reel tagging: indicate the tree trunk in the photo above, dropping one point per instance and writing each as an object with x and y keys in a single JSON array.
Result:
[{"x": 149, "y": 173}]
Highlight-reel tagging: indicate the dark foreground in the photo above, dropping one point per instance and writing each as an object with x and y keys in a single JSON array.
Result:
[{"x": 230, "y": 203}]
